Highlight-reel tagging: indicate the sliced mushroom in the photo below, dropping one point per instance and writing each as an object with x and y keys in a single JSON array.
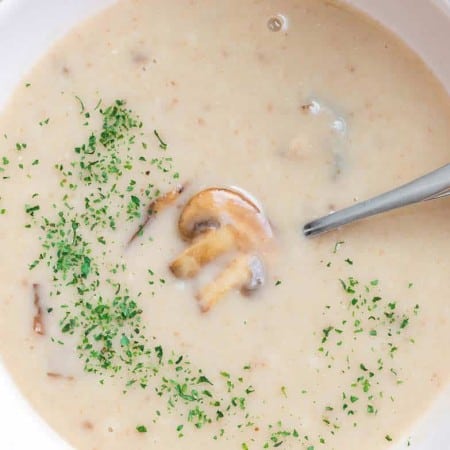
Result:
[
  {"x": 234, "y": 276},
  {"x": 155, "y": 207},
  {"x": 218, "y": 221},
  {"x": 205, "y": 249},
  {"x": 220, "y": 206},
  {"x": 165, "y": 200}
]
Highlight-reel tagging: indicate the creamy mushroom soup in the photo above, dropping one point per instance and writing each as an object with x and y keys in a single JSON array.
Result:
[{"x": 157, "y": 167}]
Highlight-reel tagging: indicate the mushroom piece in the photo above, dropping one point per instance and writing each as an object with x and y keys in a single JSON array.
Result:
[
  {"x": 244, "y": 272},
  {"x": 215, "y": 207},
  {"x": 205, "y": 249},
  {"x": 218, "y": 221},
  {"x": 157, "y": 206},
  {"x": 59, "y": 376},
  {"x": 165, "y": 200},
  {"x": 38, "y": 322}
]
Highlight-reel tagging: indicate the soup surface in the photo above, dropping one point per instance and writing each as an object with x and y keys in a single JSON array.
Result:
[{"x": 263, "y": 338}]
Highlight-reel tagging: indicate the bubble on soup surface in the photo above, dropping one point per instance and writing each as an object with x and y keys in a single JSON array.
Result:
[{"x": 277, "y": 23}]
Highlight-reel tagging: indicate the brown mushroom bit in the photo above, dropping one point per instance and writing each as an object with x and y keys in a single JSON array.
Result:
[
  {"x": 59, "y": 376},
  {"x": 38, "y": 323},
  {"x": 157, "y": 206},
  {"x": 218, "y": 221},
  {"x": 87, "y": 425}
]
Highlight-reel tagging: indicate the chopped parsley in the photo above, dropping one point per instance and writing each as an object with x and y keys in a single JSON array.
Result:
[
  {"x": 92, "y": 303},
  {"x": 367, "y": 311},
  {"x": 162, "y": 144},
  {"x": 337, "y": 246},
  {"x": 106, "y": 316}
]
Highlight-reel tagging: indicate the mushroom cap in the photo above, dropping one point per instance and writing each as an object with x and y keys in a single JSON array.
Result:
[{"x": 216, "y": 207}]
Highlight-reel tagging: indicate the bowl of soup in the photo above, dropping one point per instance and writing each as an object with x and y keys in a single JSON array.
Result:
[{"x": 157, "y": 163}]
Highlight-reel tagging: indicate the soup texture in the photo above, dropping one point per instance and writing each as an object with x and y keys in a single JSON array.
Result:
[{"x": 156, "y": 169}]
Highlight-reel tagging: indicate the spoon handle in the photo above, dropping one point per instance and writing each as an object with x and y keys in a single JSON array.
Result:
[{"x": 435, "y": 184}]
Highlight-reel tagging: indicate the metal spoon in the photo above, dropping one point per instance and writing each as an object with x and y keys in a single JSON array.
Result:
[{"x": 433, "y": 185}]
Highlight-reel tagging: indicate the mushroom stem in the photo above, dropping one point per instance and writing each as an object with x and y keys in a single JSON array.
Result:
[
  {"x": 234, "y": 276},
  {"x": 205, "y": 249}
]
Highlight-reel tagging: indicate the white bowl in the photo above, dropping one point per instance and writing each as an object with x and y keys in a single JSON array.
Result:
[{"x": 28, "y": 27}]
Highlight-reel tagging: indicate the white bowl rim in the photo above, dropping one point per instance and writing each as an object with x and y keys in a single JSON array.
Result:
[{"x": 48, "y": 20}]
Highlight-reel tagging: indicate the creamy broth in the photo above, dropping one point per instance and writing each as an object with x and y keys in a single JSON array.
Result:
[{"x": 306, "y": 105}]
